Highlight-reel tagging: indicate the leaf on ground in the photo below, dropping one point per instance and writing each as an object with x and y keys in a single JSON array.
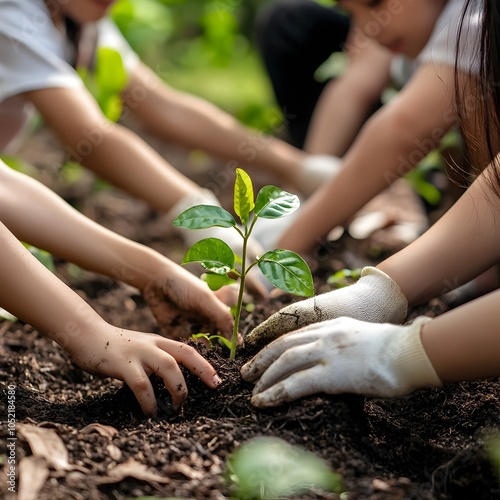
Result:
[
  {"x": 186, "y": 471},
  {"x": 104, "y": 430},
  {"x": 131, "y": 468},
  {"x": 33, "y": 472},
  {"x": 46, "y": 443}
]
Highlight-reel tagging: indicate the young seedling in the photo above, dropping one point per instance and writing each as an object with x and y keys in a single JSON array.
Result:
[
  {"x": 211, "y": 339},
  {"x": 284, "y": 269}
]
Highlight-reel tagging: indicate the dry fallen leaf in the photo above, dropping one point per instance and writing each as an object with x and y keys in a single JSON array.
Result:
[
  {"x": 185, "y": 470},
  {"x": 103, "y": 430},
  {"x": 47, "y": 444},
  {"x": 132, "y": 468},
  {"x": 33, "y": 472}
]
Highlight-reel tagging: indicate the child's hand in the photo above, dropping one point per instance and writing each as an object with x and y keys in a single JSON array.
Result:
[
  {"x": 134, "y": 356},
  {"x": 179, "y": 292}
]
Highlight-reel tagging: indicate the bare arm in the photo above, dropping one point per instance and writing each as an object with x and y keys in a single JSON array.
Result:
[
  {"x": 38, "y": 216},
  {"x": 108, "y": 149},
  {"x": 195, "y": 123},
  {"x": 463, "y": 344},
  {"x": 394, "y": 140},
  {"x": 35, "y": 295},
  {"x": 462, "y": 244},
  {"x": 347, "y": 101}
]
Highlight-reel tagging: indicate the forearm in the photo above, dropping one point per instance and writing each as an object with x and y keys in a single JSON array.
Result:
[
  {"x": 38, "y": 216},
  {"x": 36, "y": 296},
  {"x": 462, "y": 244},
  {"x": 347, "y": 102},
  {"x": 392, "y": 142},
  {"x": 370, "y": 166},
  {"x": 111, "y": 151},
  {"x": 195, "y": 123},
  {"x": 464, "y": 344}
]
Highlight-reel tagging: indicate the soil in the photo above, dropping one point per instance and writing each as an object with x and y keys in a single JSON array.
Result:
[{"x": 430, "y": 444}]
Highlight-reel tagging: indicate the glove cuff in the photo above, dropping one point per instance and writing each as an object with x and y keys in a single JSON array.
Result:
[
  {"x": 412, "y": 366},
  {"x": 393, "y": 306},
  {"x": 316, "y": 170}
]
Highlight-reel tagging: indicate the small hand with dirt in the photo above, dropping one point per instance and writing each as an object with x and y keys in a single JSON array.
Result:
[
  {"x": 133, "y": 356},
  {"x": 343, "y": 355},
  {"x": 178, "y": 299}
]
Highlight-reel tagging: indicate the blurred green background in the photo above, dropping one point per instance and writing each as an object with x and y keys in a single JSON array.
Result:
[{"x": 203, "y": 47}]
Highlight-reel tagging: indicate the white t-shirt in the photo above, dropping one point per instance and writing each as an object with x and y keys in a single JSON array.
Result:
[
  {"x": 441, "y": 47},
  {"x": 34, "y": 55}
]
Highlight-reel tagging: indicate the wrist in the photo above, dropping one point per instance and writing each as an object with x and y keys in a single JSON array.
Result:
[
  {"x": 79, "y": 329},
  {"x": 412, "y": 366}
]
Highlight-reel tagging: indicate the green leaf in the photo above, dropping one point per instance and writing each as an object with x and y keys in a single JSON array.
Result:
[
  {"x": 287, "y": 271},
  {"x": 216, "y": 281},
  {"x": 203, "y": 217},
  {"x": 112, "y": 107},
  {"x": 243, "y": 195},
  {"x": 205, "y": 336},
  {"x": 226, "y": 342},
  {"x": 210, "y": 338},
  {"x": 42, "y": 256},
  {"x": 6, "y": 315},
  {"x": 111, "y": 76},
  {"x": 344, "y": 277},
  {"x": 269, "y": 467},
  {"x": 273, "y": 203},
  {"x": 213, "y": 255}
]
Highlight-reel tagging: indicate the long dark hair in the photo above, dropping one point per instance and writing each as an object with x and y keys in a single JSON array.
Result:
[
  {"x": 481, "y": 128},
  {"x": 73, "y": 34}
]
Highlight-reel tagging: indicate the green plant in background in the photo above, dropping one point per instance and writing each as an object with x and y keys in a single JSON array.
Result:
[
  {"x": 107, "y": 82},
  {"x": 6, "y": 315},
  {"x": 270, "y": 468},
  {"x": 203, "y": 48},
  {"x": 284, "y": 269},
  {"x": 493, "y": 451},
  {"x": 344, "y": 277}
]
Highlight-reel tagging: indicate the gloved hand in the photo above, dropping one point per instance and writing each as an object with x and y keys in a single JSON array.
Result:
[
  {"x": 316, "y": 170},
  {"x": 343, "y": 355},
  {"x": 375, "y": 297}
]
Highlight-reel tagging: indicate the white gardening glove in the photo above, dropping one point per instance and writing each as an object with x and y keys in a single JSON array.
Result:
[
  {"x": 229, "y": 235},
  {"x": 342, "y": 355},
  {"x": 315, "y": 171},
  {"x": 375, "y": 297}
]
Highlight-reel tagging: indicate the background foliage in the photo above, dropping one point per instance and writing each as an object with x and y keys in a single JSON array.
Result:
[{"x": 204, "y": 47}]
